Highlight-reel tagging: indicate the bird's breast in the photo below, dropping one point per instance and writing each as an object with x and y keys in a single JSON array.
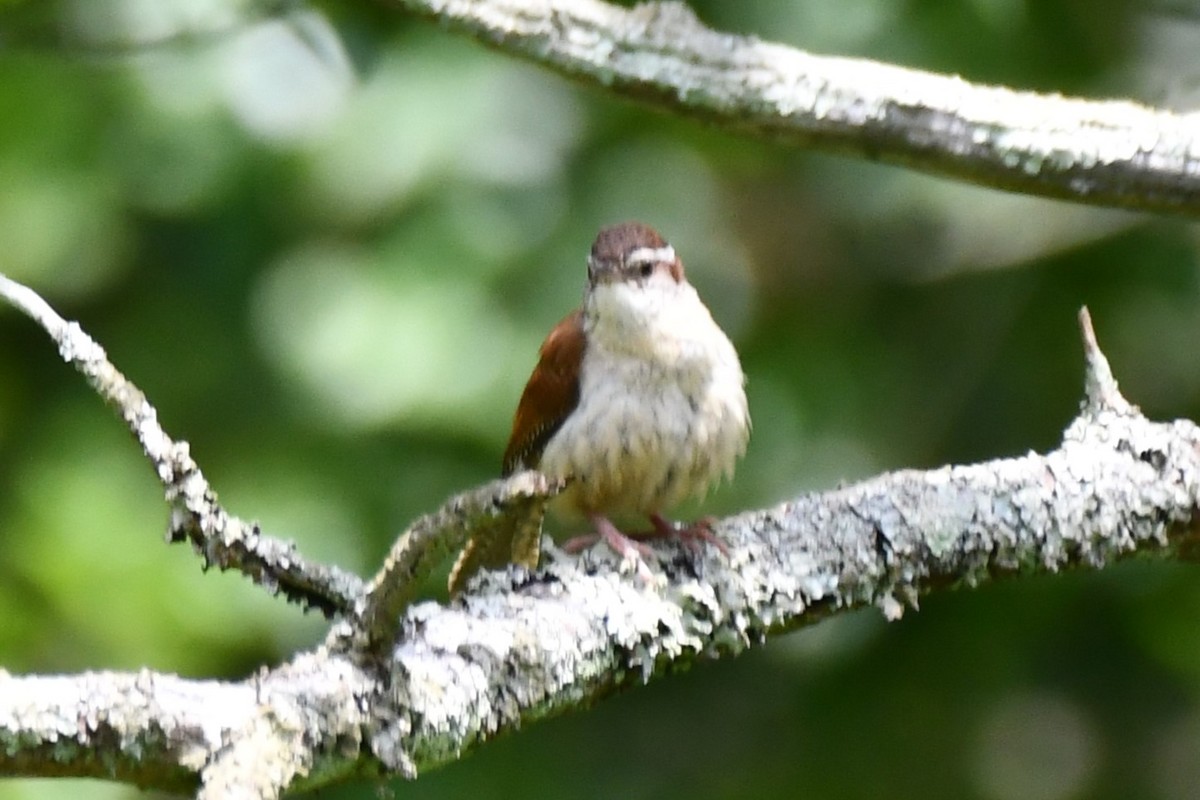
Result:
[{"x": 658, "y": 420}]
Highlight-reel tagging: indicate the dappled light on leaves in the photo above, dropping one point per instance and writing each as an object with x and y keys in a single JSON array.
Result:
[
  {"x": 379, "y": 344},
  {"x": 1037, "y": 746},
  {"x": 394, "y": 142}
]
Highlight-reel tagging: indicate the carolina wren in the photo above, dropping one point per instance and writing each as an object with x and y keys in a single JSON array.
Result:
[{"x": 638, "y": 399}]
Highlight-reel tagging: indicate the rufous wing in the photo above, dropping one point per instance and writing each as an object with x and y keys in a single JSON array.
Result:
[
  {"x": 549, "y": 397},
  {"x": 551, "y": 394}
]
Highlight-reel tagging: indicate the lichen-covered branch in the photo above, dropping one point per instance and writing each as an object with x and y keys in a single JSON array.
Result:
[
  {"x": 484, "y": 514},
  {"x": 520, "y": 645},
  {"x": 151, "y": 730},
  {"x": 195, "y": 515},
  {"x": 564, "y": 636},
  {"x": 1114, "y": 152},
  {"x": 296, "y": 726},
  {"x": 401, "y": 688}
]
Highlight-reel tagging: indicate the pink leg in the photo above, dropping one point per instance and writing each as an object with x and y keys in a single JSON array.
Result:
[
  {"x": 621, "y": 544},
  {"x": 577, "y": 544},
  {"x": 691, "y": 534}
]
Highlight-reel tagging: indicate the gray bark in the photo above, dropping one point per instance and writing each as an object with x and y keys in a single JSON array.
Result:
[{"x": 1103, "y": 152}]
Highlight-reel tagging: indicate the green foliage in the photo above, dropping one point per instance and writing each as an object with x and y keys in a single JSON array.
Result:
[{"x": 326, "y": 240}]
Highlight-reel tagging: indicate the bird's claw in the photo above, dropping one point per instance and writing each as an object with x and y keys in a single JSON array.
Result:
[{"x": 692, "y": 534}]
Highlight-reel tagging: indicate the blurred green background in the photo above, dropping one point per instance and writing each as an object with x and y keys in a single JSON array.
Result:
[{"x": 327, "y": 239}]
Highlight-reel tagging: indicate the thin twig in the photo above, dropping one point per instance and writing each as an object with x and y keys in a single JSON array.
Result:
[
  {"x": 1100, "y": 387},
  {"x": 487, "y": 512},
  {"x": 218, "y": 537}
]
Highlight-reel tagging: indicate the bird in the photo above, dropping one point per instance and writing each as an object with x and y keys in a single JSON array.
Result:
[{"x": 637, "y": 403}]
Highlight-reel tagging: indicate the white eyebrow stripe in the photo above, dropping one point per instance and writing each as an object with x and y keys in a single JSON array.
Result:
[{"x": 651, "y": 255}]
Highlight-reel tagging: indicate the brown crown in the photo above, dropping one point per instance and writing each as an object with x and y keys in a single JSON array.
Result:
[{"x": 615, "y": 242}]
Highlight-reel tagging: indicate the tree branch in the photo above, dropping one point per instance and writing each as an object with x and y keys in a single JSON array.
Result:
[
  {"x": 519, "y": 645},
  {"x": 142, "y": 728},
  {"x": 483, "y": 514},
  {"x": 218, "y": 537},
  {"x": 1110, "y": 153}
]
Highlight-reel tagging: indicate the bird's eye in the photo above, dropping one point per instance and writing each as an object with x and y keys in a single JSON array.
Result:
[{"x": 646, "y": 270}]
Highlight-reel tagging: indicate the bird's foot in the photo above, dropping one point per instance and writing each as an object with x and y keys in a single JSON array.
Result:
[
  {"x": 622, "y": 545},
  {"x": 577, "y": 544},
  {"x": 692, "y": 534}
]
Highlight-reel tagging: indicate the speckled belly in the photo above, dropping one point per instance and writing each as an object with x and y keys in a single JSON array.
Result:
[{"x": 646, "y": 442}]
